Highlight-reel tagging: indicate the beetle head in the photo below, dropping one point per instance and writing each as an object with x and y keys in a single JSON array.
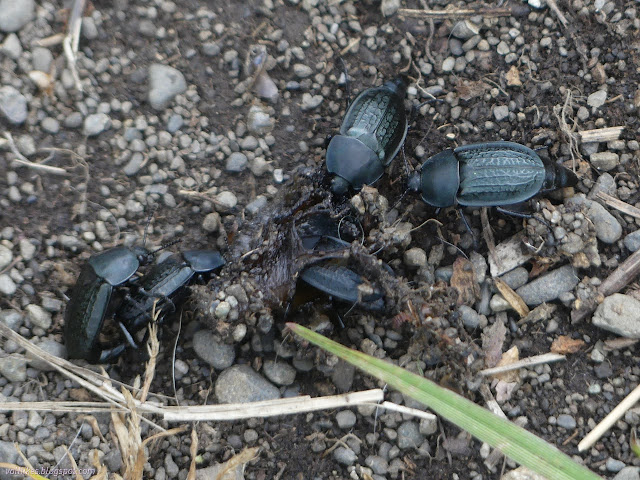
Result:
[
  {"x": 339, "y": 185},
  {"x": 397, "y": 85},
  {"x": 558, "y": 176}
]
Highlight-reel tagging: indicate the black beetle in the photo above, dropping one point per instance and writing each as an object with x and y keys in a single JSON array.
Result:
[
  {"x": 371, "y": 134},
  {"x": 164, "y": 282},
  {"x": 488, "y": 174},
  {"x": 342, "y": 283},
  {"x": 331, "y": 275},
  {"x": 91, "y": 296}
]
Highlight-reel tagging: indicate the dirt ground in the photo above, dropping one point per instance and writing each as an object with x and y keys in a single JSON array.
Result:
[{"x": 509, "y": 71}]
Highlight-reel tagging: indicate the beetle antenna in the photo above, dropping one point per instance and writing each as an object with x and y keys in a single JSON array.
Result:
[
  {"x": 416, "y": 108},
  {"x": 166, "y": 245}
]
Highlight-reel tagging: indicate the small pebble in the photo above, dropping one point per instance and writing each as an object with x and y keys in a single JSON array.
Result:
[
  {"x": 219, "y": 355},
  {"x": 279, "y": 372},
  {"x": 164, "y": 84},
  {"x": 15, "y": 14},
  {"x": 95, "y": 124},
  {"x": 346, "y": 419}
]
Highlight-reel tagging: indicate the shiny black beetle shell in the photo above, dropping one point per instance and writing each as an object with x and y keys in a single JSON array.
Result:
[
  {"x": 371, "y": 134},
  {"x": 90, "y": 297},
  {"x": 487, "y": 174},
  {"x": 163, "y": 281}
]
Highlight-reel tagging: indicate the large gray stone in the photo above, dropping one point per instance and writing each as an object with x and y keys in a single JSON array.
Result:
[
  {"x": 15, "y": 14},
  {"x": 13, "y": 105},
  {"x": 550, "y": 286},
  {"x": 608, "y": 229},
  {"x": 242, "y": 384},
  {"x": 619, "y": 314},
  {"x": 164, "y": 84}
]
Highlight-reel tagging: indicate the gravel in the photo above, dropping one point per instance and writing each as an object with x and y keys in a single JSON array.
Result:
[
  {"x": 164, "y": 84},
  {"x": 15, "y": 14},
  {"x": 549, "y": 286},
  {"x": 346, "y": 419},
  {"x": 344, "y": 456},
  {"x": 279, "y": 373},
  {"x": 608, "y": 229},
  {"x": 619, "y": 314},
  {"x": 628, "y": 473},
  {"x": 219, "y": 355},
  {"x": 236, "y": 162},
  {"x": 13, "y": 105},
  {"x": 632, "y": 241},
  {"x": 153, "y": 135},
  {"x": 95, "y": 124},
  {"x": 38, "y": 316},
  {"x": 566, "y": 421},
  {"x": 409, "y": 435},
  {"x": 14, "y": 368},
  {"x": 241, "y": 384}
]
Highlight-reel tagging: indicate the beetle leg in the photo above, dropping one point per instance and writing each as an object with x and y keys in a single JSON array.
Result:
[
  {"x": 476, "y": 245},
  {"x": 550, "y": 239},
  {"x": 127, "y": 335},
  {"x": 110, "y": 354}
]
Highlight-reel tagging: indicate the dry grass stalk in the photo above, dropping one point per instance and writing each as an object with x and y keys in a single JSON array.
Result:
[
  {"x": 607, "y": 134},
  {"x": 608, "y": 421},
  {"x": 72, "y": 39},
  {"x": 569, "y": 132},
  {"x": 453, "y": 13},
  {"x": 269, "y": 408},
  {"x": 525, "y": 362},
  {"x": 406, "y": 410},
  {"x": 193, "y": 451},
  {"x": 23, "y": 161},
  {"x": 624, "y": 207}
]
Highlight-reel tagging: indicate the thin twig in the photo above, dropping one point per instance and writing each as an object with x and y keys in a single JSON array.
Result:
[
  {"x": 607, "y": 134},
  {"x": 455, "y": 13},
  {"x": 268, "y": 408},
  {"x": 525, "y": 362},
  {"x": 22, "y": 160},
  {"x": 619, "y": 278},
  {"x": 553, "y": 6},
  {"x": 608, "y": 421},
  {"x": 72, "y": 39},
  {"x": 624, "y": 207}
]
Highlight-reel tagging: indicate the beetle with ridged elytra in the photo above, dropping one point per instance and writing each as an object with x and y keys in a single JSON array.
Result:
[
  {"x": 90, "y": 299},
  {"x": 490, "y": 174},
  {"x": 372, "y": 132}
]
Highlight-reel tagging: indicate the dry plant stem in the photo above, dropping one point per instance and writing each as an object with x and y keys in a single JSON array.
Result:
[
  {"x": 193, "y": 451},
  {"x": 525, "y": 362},
  {"x": 496, "y": 455},
  {"x": 57, "y": 406},
  {"x": 72, "y": 39},
  {"x": 455, "y": 13},
  {"x": 85, "y": 378},
  {"x": 269, "y": 408},
  {"x": 624, "y": 207},
  {"x": 621, "y": 277},
  {"x": 608, "y": 421},
  {"x": 553, "y": 6},
  {"x": 22, "y": 160},
  {"x": 353, "y": 43},
  {"x": 406, "y": 410},
  {"x": 600, "y": 134}
]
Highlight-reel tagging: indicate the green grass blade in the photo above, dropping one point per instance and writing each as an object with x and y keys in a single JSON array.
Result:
[{"x": 515, "y": 442}]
